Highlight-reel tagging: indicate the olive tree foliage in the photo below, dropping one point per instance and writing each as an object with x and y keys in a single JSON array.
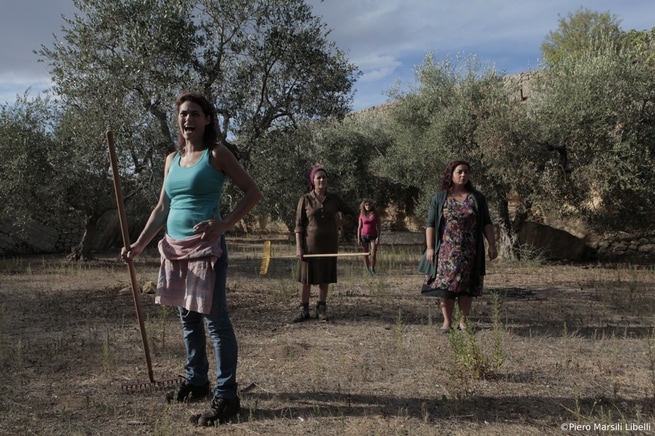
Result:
[
  {"x": 26, "y": 172},
  {"x": 459, "y": 109},
  {"x": 47, "y": 178},
  {"x": 266, "y": 64},
  {"x": 579, "y": 32},
  {"x": 640, "y": 46},
  {"x": 346, "y": 148},
  {"x": 596, "y": 107},
  {"x": 598, "y": 110},
  {"x": 85, "y": 178},
  {"x": 281, "y": 167}
]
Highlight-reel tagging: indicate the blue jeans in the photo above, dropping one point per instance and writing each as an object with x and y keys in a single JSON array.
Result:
[{"x": 221, "y": 333}]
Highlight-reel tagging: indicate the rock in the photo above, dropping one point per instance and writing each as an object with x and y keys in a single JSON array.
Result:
[{"x": 555, "y": 243}]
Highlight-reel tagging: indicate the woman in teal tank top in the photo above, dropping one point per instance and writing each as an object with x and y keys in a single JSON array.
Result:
[
  {"x": 189, "y": 207},
  {"x": 195, "y": 194}
]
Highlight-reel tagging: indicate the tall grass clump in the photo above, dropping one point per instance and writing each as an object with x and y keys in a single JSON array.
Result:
[
  {"x": 627, "y": 292},
  {"x": 12, "y": 265},
  {"x": 106, "y": 353},
  {"x": 529, "y": 255},
  {"x": 651, "y": 358},
  {"x": 470, "y": 355},
  {"x": 163, "y": 315}
]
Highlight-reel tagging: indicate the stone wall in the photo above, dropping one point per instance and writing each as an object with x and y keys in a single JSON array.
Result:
[
  {"x": 623, "y": 246},
  {"x": 34, "y": 237},
  {"x": 30, "y": 237},
  {"x": 70, "y": 235}
]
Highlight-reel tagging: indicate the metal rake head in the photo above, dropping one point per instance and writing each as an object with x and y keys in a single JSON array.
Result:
[{"x": 149, "y": 386}]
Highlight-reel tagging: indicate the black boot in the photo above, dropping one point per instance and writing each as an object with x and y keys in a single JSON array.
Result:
[
  {"x": 303, "y": 313},
  {"x": 321, "y": 311},
  {"x": 220, "y": 411}
]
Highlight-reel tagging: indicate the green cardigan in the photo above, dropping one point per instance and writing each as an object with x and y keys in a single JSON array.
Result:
[{"x": 435, "y": 214}]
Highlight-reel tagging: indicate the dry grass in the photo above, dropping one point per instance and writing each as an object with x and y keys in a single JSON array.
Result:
[{"x": 578, "y": 342}]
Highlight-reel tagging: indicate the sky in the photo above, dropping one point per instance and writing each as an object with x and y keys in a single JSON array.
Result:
[{"x": 385, "y": 39}]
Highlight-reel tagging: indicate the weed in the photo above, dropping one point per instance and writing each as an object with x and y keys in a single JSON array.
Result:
[
  {"x": 469, "y": 354},
  {"x": 498, "y": 355},
  {"x": 382, "y": 289},
  {"x": 600, "y": 416},
  {"x": 528, "y": 255},
  {"x": 430, "y": 320},
  {"x": 162, "y": 315},
  {"x": 317, "y": 371},
  {"x": 425, "y": 414},
  {"x": 285, "y": 291},
  {"x": 19, "y": 354},
  {"x": 651, "y": 357},
  {"x": 106, "y": 354},
  {"x": 566, "y": 345},
  {"x": 163, "y": 423},
  {"x": 399, "y": 333}
]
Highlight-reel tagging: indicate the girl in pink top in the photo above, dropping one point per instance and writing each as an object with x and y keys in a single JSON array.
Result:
[{"x": 368, "y": 233}]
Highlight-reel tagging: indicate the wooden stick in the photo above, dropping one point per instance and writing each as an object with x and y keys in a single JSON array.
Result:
[{"x": 266, "y": 256}]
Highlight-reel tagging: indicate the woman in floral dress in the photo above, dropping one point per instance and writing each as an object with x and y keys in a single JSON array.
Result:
[{"x": 454, "y": 261}]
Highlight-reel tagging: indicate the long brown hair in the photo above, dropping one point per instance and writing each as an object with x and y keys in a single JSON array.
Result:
[
  {"x": 447, "y": 179},
  {"x": 362, "y": 209},
  {"x": 211, "y": 130}
]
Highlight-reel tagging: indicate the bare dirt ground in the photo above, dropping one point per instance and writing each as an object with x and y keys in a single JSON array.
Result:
[{"x": 577, "y": 339}]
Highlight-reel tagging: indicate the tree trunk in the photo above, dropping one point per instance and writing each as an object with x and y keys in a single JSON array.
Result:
[
  {"x": 508, "y": 239},
  {"x": 83, "y": 250}
]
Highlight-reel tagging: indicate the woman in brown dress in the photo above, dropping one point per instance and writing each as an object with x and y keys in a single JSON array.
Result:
[{"x": 317, "y": 232}]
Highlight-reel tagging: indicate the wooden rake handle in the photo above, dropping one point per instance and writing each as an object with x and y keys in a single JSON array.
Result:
[
  {"x": 337, "y": 254},
  {"x": 126, "y": 242}
]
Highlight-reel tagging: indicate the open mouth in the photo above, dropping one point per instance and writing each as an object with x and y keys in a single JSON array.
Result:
[{"x": 189, "y": 129}]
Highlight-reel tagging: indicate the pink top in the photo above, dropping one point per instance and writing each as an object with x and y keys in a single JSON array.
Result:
[
  {"x": 369, "y": 225},
  {"x": 186, "y": 274}
]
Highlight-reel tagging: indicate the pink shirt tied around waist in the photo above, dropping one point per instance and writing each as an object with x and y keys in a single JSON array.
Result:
[{"x": 186, "y": 274}]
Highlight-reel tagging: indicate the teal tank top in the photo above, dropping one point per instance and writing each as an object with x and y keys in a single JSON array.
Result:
[{"x": 195, "y": 194}]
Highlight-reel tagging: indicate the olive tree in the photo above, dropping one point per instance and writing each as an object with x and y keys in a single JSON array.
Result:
[
  {"x": 598, "y": 112},
  {"x": 347, "y": 148},
  {"x": 267, "y": 65},
  {"x": 595, "y": 112},
  {"x": 26, "y": 172},
  {"x": 579, "y": 32},
  {"x": 47, "y": 177},
  {"x": 462, "y": 110}
]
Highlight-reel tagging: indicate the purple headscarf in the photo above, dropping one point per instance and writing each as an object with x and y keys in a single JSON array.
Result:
[{"x": 313, "y": 172}]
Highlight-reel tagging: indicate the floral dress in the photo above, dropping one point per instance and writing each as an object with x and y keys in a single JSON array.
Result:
[{"x": 456, "y": 257}]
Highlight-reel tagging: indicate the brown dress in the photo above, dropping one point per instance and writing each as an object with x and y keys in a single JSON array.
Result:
[{"x": 317, "y": 222}]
